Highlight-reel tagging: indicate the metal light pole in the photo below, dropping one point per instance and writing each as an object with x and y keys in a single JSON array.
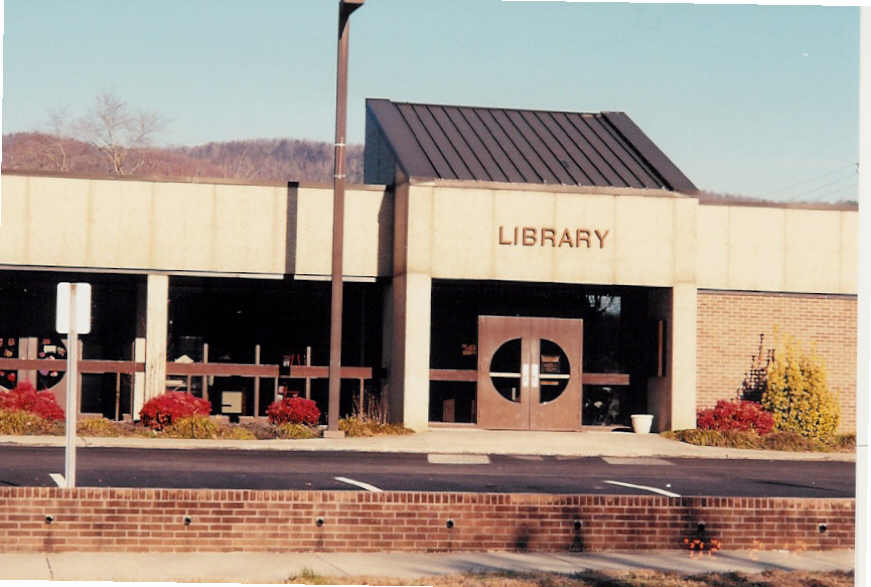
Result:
[{"x": 346, "y": 7}]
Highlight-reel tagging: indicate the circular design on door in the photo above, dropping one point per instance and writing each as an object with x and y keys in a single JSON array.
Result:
[
  {"x": 8, "y": 350},
  {"x": 554, "y": 371},
  {"x": 50, "y": 347},
  {"x": 505, "y": 370}
]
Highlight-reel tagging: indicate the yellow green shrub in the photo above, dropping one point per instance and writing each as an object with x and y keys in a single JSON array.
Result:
[
  {"x": 192, "y": 427},
  {"x": 289, "y": 430},
  {"x": 237, "y": 433},
  {"x": 720, "y": 438},
  {"x": 358, "y": 426},
  {"x": 797, "y": 395},
  {"x": 23, "y": 422},
  {"x": 98, "y": 427}
]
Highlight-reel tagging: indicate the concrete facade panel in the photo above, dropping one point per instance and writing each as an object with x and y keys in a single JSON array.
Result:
[
  {"x": 813, "y": 251},
  {"x": 463, "y": 245},
  {"x": 757, "y": 248},
  {"x": 849, "y": 252},
  {"x": 143, "y": 225},
  {"x": 106, "y": 209},
  {"x": 182, "y": 226},
  {"x": 778, "y": 249},
  {"x": 644, "y": 240},
  {"x": 56, "y": 216},
  {"x": 314, "y": 231},
  {"x": 420, "y": 225},
  {"x": 247, "y": 241},
  {"x": 581, "y": 264},
  {"x": 521, "y": 235},
  {"x": 685, "y": 239},
  {"x": 14, "y": 222},
  {"x": 712, "y": 259},
  {"x": 527, "y": 212},
  {"x": 136, "y": 237},
  {"x": 683, "y": 356},
  {"x": 155, "y": 338}
]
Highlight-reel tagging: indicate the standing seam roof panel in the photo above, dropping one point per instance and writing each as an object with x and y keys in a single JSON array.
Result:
[
  {"x": 604, "y": 133},
  {"x": 539, "y": 125},
  {"x": 405, "y": 147},
  {"x": 492, "y": 170},
  {"x": 508, "y": 147},
  {"x": 456, "y": 138},
  {"x": 585, "y": 128},
  {"x": 571, "y": 150},
  {"x": 588, "y": 149},
  {"x": 646, "y": 175},
  {"x": 443, "y": 143},
  {"x": 486, "y": 137},
  {"x": 540, "y": 147},
  {"x": 426, "y": 143},
  {"x": 522, "y": 146}
]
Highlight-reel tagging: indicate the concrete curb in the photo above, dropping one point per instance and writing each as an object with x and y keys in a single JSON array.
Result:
[
  {"x": 277, "y": 567},
  {"x": 566, "y": 444}
]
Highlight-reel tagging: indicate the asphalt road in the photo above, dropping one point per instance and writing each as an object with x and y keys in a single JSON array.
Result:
[{"x": 237, "y": 469}]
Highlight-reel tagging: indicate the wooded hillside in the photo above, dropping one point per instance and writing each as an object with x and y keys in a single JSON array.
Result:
[{"x": 256, "y": 160}]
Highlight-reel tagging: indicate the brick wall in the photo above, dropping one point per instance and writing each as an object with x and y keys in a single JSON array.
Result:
[
  {"x": 107, "y": 519},
  {"x": 728, "y": 329}
]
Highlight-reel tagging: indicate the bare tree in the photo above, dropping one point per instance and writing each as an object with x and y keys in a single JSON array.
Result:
[
  {"x": 58, "y": 137},
  {"x": 122, "y": 135}
]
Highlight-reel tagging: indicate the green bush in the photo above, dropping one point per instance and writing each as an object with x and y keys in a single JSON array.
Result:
[
  {"x": 797, "y": 395},
  {"x": 24, "y": 422},
  {"x": 196, "y": 426},
  {"x": 295, "y": 431}
]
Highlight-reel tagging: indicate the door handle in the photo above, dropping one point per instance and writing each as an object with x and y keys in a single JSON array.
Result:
[
  {"x": 524, "y": 374},
  {"x": 535, "y": 374}
]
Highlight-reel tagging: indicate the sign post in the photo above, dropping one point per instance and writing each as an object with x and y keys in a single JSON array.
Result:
[{"x": 73, "y": 318}]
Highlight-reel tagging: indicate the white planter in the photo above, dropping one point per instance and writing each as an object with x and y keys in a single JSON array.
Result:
[{"x": 641, "y": 423}]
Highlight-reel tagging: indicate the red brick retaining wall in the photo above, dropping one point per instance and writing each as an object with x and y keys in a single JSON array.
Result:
[
  {"x": 107, "y": 519},
  {"x": 727, "y": 335}
]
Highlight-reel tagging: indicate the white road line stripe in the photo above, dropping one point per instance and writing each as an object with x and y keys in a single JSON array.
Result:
[
  {"x": 365, "y": 486},
  {"x": 644, "y": 488},
  {"x": 58, "y": 478}
]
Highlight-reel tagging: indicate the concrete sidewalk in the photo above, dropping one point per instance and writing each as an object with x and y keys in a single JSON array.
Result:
[
  {"x": 464, "y": 441},
  {"x": 239, "y": 567}
]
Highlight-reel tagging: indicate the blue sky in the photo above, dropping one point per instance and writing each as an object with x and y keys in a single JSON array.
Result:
[{"x": 759, "y": 101}]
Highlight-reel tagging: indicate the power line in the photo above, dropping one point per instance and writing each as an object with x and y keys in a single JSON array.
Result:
[
  {"x": 810, "y": 179},
  {"x": 817, "y": 188},
  {"x": 828, "y": 187},
  {"x": 843, "y": 191}
]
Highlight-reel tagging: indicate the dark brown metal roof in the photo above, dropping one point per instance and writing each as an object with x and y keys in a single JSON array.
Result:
[{"x": 430, "y": 141}]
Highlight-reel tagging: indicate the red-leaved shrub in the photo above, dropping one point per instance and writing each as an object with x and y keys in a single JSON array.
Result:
[
  {"x": 25, "y": 398},
  {"x": 736, "y": 415},
  {"x": 294, "y": 410},
  {"x": 164, "y": 409}
]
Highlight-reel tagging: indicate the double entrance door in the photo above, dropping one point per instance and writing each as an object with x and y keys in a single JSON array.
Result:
[{"x": 529, "y": 373}]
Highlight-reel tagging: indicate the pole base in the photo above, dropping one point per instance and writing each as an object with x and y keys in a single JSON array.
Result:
[{"x": 333, "y": 433}]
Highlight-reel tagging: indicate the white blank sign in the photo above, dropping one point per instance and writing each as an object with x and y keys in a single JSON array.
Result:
[{"x": 83, "y": 308}]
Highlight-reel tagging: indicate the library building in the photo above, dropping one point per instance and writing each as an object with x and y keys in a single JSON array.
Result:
[{"x": 503, "y": 269}]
